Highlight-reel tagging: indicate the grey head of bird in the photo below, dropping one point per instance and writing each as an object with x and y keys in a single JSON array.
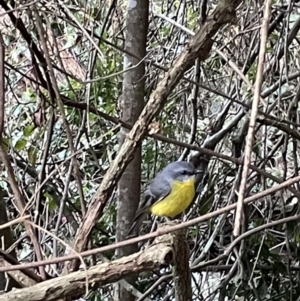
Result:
[{"x": 179, "y": 170}]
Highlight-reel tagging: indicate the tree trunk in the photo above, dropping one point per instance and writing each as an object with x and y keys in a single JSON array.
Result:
[{"x": 130, "y": 105}]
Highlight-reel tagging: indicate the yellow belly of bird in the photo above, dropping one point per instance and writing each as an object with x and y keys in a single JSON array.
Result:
[{"x": 177, "y": 201}]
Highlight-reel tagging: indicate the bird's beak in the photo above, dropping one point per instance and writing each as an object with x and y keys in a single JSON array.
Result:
[{"x": 197, "y": 171}]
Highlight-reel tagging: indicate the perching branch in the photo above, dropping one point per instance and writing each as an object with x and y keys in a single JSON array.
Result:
[{"x": 74, "y": 284}]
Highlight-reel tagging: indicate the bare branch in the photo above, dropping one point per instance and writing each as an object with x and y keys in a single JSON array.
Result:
[
  {"x": 252, "y": 122},
  {"x": 73, "y": 285}
]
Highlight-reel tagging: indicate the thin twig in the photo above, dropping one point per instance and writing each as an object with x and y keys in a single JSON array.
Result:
[
  {"x": 115, "y": 73},
  {"x": 15, "y": 221},
  {"x": 252, "y": 122},
  {"x": 7, "y": 164}
]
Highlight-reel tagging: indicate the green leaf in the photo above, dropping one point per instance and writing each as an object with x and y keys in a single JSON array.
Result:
[
  {"x": 5, "y": 143},
  {"x": 21, "y": 143},
  {"x": 50, "y": 201},
  {"x": 28, "y": 130},
  {"x": 32, "y": 155}
]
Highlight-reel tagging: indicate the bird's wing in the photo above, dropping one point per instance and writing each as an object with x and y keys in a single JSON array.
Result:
[
  {"x": 141, "y": 212},
  {"x": 159, "y": 189},
  {"x": 155, "y": 192}
]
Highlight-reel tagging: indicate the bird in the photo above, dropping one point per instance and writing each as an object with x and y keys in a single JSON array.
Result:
[{"x": 169, "y": 194}]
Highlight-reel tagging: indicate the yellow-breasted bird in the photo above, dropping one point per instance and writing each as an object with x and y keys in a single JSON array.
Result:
[{"x": 169, "y": 194}]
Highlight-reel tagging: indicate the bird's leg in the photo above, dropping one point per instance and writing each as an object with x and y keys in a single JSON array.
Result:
[
  {"x": 150, "y": 241},
  {"x": 167, "y": 221},
  {"x": 170, "y": 222},
  {"x": 153, "y": 225},
  {"x": 185, "y": 216}
]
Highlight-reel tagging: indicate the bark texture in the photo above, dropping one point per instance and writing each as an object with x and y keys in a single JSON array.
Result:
[
  {"x": 181, "y": 270},
  {"x": 130, "y": 105},
  {"x": 74, "y": 284}
]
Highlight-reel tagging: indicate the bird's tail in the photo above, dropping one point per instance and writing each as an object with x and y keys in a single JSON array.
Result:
[{"x": 136, "y": 224}]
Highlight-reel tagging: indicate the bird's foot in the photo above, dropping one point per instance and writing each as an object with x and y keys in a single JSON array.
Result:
[{"x": 169, "y": 222}]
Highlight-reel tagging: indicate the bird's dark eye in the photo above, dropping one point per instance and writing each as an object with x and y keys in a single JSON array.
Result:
[{"x": 184, "y": 172}]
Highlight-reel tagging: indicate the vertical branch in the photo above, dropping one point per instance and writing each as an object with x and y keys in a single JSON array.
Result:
[
  {"x": 252, "y": 122},
  {"x": 10, "y": 172},
  {"x": 74, "y": 162},
  {"x": 181, "y": 270},
  {"x": 131, "y": 104}
]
